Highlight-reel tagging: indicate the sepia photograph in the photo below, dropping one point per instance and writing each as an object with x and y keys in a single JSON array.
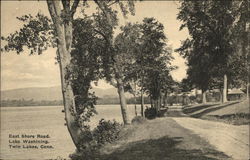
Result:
[{"x": 125, "y": 80}]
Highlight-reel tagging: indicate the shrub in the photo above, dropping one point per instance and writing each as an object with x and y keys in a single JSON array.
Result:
[
  {"x": 138, "y": 120},
  {"x": 92, "y": 141},
  {"x": 106, "y": 131},
  {"x": 150, "y": 113}
]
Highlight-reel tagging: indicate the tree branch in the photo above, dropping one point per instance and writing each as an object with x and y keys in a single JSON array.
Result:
[
  {"x": 113, "y": 3},
  {"x": 103, "y": 35},
  {"x": 52, "y": 10},
  {"x": 74, "y": 7},
  {"x": 102, "y": 6},
  {"x": 66, "y": 5},
  {"x": 57, "y": 8}
]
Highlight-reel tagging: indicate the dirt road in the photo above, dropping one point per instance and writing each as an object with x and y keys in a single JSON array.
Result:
[
  {"x": 230, "y": 139},
  {"x": 162, "y": 139}
]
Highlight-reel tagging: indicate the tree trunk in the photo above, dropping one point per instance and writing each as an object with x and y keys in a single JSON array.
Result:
[
  {"x": 135, "y": 99},
  {"x": 247, "y": 90},
  {"x": 120, "y": 89},
  {"x": 155, "y": 102},
  {"x": 142, "y": 104},
  {"x": 225, "y": 89},
  {"x": 151, "y": 101},
  {"x": 64, "y": 41},
  {"x": 196, "y": 92},
  {"x": 157, "y": 105},
  {"x": 142, "y": 93},
  {"x": 135, "y": 110},
  {"x": 221, "y": 95},
  {"x": 69, "y": 106},
  {"x": 135, "y": 105},
  {"x": 165, "y": 101},
  {"x": 160, "y": 100},
  {"x": 204, "y": 99}
]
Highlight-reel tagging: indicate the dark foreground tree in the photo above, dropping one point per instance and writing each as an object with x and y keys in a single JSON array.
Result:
[{"x": 34, "y": 36}]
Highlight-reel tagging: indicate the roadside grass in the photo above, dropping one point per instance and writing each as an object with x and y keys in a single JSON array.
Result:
[
  {"x": 241, "y": 107},
  {"x": 175, "y": 114},
  {"x": 235, "y": 119},
  {"x": 236, "y": 113}
]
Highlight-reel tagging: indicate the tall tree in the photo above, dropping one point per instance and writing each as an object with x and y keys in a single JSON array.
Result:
[
  {"x": 155, "y": 59},
  {"x": 210, "y": 50},
  {"x": 146, "y": 57},
  {"x": 241, "y": 33},
  {"x": 192, "y": 13},
  {"x": 62, "y": 15},
  {"x": 127, "y": 47}
]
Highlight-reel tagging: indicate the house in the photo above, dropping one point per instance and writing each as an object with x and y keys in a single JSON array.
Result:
[{"x": 235, "y": 94}]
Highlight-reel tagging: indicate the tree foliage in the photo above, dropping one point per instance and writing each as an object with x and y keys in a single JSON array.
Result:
[
  {"x": 211, "y": 50},
  {"x": 146, "y": 57}
]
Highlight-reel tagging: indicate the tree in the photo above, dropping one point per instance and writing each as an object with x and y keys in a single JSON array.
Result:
[
  {"x": 241, "y": 34},
  {"x": 127, "y": 46},
  {"x": 34, "y": 37},
  {"x": 210, "y": 50},
  {"x": 186, "y": 85},
  {"x": 167, "y": 88},
  {"x": 194, "y": 17},
  {"x": 154, "y": 59},
  {"x": 87, "y": 64},
  {"x": 145, "y": 58},
  {"x": 116, "y": 60}
]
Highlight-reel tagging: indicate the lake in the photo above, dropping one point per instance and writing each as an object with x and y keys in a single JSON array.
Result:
[{"x": 44, "y": 121}]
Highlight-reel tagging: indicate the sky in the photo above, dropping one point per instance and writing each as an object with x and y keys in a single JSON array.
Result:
[{"x": 23, "y": 71}]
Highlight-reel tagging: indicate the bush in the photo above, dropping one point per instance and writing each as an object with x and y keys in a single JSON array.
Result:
[
  {"x": 138, "y": 120},
  {"x": 92, "y": 141},
  {"x": 150, "y": 113},
  {"x": 106, "y": 131}
]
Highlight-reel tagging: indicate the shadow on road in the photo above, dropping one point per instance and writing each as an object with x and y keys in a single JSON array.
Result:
[
  {"x": 188, "y": 110},
  {"x": 164, "y": 148}
]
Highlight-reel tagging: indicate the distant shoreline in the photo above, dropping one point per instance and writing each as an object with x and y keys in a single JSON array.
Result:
[
  {"x": 32, "y": 102},
  {"x": 10, "y": 106}
]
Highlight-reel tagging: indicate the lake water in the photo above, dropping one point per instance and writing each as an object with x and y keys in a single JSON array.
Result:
[{"x": 44, "y": 120}]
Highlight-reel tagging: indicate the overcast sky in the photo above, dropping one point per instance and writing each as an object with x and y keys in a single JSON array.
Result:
[{"x": 21, "y": 71}]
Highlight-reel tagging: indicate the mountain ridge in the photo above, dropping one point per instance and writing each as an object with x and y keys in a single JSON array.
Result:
[{"x": 51, "y": 93}]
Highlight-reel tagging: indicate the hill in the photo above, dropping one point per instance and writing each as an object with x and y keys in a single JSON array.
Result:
[{"x": 51, "y": 93}]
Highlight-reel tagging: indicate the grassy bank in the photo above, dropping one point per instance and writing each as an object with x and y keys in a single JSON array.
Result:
[{"x": 236, "y": 113}]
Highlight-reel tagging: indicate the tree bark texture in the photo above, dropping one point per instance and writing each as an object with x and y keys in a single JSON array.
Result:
[{"x": 64, "y": 41}]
